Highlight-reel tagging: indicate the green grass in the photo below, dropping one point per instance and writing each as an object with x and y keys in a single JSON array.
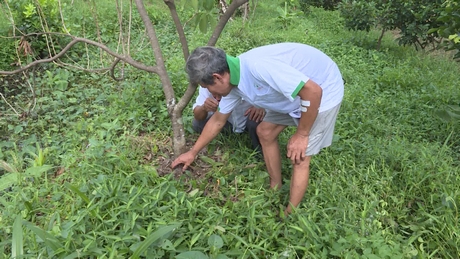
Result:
[{"x": 84, "y": 185}]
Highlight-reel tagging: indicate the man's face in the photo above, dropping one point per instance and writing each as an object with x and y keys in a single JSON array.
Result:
[{"x": 221, "y": 86}]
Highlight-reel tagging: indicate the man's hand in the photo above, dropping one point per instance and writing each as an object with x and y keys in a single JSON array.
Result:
[
  {"x": 210, "y": 105},
  {"x": 297, "y": 147},
  {"x": 255, "y": 114},
  {"x": 186, "y": 159}
]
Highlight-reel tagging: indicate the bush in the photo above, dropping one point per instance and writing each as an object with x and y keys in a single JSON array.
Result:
[
  {"x": 358, "y": 15},
  {"x": 449, "y": 26},
  {"x": 413, "y": 18},
  {"x": 329, "y": 5}
]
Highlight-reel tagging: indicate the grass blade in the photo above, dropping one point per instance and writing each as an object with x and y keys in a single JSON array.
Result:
[
  {"x": 37, "y": 170},
  {"x": 18, "y": 242},
  {"x": 7, "y": 180},
  {"x": 159, "y": 233},
  {"x": 192, "y": 255},
  {"x": 77, "y": 191},
  {"x": 51, "y": 241}
]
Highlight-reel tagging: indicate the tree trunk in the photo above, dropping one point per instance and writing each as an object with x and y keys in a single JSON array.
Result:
[
  {"x": 175, "y": 109},
  {"x": 379, "y": 41},
  {"x": 174, "y": 114}
]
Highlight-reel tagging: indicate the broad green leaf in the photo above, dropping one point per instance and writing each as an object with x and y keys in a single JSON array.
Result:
[
  {"x": 455, "y": 108},
  {"x": 168, "y": 245},
  {"x": 192, "y": 255},
  {"x": 208, "y": 5},
  {"x": 432, "y": 30},
  {"x": 8, "y": 180},
  {"x": 18, "y": 242},
  {"x": 89, "y": 254},
  {"x": 50, "y": 241},
  {"x": 37, "y": 170},
  {"x": 210, "y": 161},
  {"x": 203, "y": 23},
  {"x": 212, "y": 20},
  {"x": 155, "y": 236},
  {"x": 215, "y": 241},
  {"x": 194, "y": 4},
  {"x": 220, "y": 228},
  {"x": 78, "y": 192},
  {"x": 193, "y": 192},
  {"x": 454, "y": 115}
]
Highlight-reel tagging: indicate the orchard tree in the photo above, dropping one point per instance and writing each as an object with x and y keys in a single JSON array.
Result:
[
  {"x": 449, "y": 26},
  {"x": 414, "y": 19},
  {"x": 51, "y": 52}
]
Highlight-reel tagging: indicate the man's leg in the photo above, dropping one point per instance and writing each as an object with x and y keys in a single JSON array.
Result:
[
  {"x": 198, "y": 126},
  {"x": 299, "y": 183},
  {"x": 251, "y": 127},
  {"x": 268, "y": 135},
  {"x": 323, "y": 133}
]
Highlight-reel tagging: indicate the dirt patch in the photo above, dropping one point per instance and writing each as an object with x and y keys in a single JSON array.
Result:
[{"x": 157, "y": 152}]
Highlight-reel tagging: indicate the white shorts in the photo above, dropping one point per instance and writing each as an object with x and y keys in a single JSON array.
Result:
[{"x": 321, "y": 133}]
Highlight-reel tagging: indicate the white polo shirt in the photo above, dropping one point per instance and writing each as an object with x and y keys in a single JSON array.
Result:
[
  {"x": 237, "y": 118},
  {"x": 271, "y": 76}
]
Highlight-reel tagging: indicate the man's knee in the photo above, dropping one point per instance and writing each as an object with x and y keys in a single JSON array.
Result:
[
  {"x": 251, "y": 125},
  {"x": 198, "y": 126},
  {"x": 265, "y": 132}
]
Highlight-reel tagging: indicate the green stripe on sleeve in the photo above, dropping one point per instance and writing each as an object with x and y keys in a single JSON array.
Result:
[{"x": 297, "y": 89}]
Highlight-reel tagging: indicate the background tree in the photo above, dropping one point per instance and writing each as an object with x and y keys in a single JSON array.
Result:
[
  {"x": 420, "y": 23},
  {"x": 412, "y": 18},
  {"x": 52, "y": 51},
  {"x": 449, "y": 26}
]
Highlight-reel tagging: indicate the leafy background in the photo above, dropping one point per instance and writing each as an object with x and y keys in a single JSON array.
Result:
[{"x": 83, "y": 176}]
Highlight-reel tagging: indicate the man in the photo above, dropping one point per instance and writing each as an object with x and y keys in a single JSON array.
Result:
[
  {"x": 244, "y": 117},
  {"x": 297, "y": 84}
]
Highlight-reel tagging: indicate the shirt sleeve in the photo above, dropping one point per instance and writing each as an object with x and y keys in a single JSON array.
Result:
[
  {"x": 280, "y": 76},
  {"x": 228, "y": 103}
]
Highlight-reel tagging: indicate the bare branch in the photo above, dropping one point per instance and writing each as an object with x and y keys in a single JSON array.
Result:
[
  {"x": 129, "y": 26},
  {"x": 98, "y": 29},
  {"x": 121, "y": 42},
  {"x": 62, "y": 17},
  {"x": 74, "y": 41},
  {"x": 35, "y": 34},
  {"x": 3, "y": 97},
  {"x": 45, "y": 28},
  {"x": 161, "y": 68},
  {"x": 179, "y": 28},
  {"x": 67, "y": 65},
  {"x": 33, "y": 93},
  {"x": 112, "y": 70},
  {"x": 224, "y": 19}
]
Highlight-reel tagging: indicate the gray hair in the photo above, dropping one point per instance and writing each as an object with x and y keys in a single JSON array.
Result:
[{"x": 205, "y": 61}]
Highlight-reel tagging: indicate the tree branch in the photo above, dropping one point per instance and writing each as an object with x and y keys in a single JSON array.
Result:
[
  {"x": 179, "y": 28},
  {"x": 160, "y": 64},
  {"x": 224, "y": 19},
  {"x": 4, "y": 99},
  {"x": 75, "y": 40}
]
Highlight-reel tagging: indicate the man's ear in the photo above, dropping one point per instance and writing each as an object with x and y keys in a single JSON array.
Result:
[{"x": 217, "y": 77}]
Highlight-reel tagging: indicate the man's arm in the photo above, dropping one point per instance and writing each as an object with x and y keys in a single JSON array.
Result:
[
  {"x": 210, "y": 131},
  {"x": 310, "y": 94},
  {"x": 200, "y": 113}
]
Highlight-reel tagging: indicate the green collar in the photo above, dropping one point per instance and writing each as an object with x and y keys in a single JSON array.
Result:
[{"x": 234, "y": 66}]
